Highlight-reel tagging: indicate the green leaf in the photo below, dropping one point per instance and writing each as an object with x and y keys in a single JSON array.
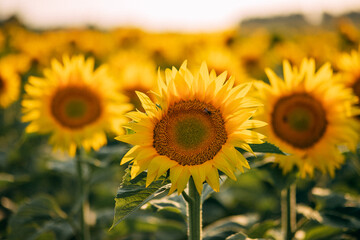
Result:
[
  {"x": 132, "y": 194},
  {"x": 237, "y": 236},
  {"x": 309, "y": 213},
  {"x": 322, "y": 233},
  {"x": 337, "y": 218},
  {"x": 273, "y": 174},
  {"x": 266, "y": 147},
  {"x": 147, "y": 225},
  {"x": 173, "y": 201},
  {"x": 225, "y": 227},
  {"x": 260, "y": 229},
  {"x": 39, "y": 218},
  {"x": 338, "y": 210}
]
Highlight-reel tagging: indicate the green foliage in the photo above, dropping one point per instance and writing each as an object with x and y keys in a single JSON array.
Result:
[
  {"x": 228, "y": 226},
  {"x": 237, "y": 236},
  {"x": 260, "y": 229},
  {"x": 322, "y": 233},
  {"x": 39, "y": 218},
  {"x": 132, "y": 194},
  {"x": 265, "y": 147}
]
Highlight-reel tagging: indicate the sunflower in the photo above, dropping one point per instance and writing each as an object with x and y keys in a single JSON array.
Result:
[
  {"x": 9, "y": 85},
  {"x": 349, "y": 66},
  {"x": 193, "y": 129},
  {"x": 221, "y": 59},
  {"x": 308, "y": 116},
  {"x": 75, "y": 104},
  {"x": 135, "y": 72}
]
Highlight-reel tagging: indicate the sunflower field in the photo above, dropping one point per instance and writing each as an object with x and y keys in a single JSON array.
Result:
[{"x": 252, "y": 132}]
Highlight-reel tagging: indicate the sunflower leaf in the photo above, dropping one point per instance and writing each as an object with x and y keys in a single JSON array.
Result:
[
  {"x": 323, "y": 232},
  {"x": 237, "y": 236},
  {"x": 226, "y": 227},
  {"x": 336, "y": 209},
  {"x": 40, "y": 218},
  {"x": 265, "y": 147},
  {"x": 132, "y": 194}
]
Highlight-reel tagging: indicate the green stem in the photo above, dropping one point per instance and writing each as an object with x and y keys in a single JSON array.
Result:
[
  {"x": 354, "y": 157},
  {"x": 84, "y": 230},
  {"x": 288, "y": 211},
  {"x": 194, "y": 212}
]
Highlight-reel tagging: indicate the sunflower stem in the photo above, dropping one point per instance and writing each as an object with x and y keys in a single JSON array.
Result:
[
  {"x": 288, "y": 211},
  {"x": 194, "y": 212},
  {"x": 84, "y": 230}
]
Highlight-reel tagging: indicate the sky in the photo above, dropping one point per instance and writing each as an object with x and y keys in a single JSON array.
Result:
[{"x": 164, "y": 15}]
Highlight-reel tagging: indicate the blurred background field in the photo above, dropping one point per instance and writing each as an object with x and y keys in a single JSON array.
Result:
[{"x": 38, "y": 187}]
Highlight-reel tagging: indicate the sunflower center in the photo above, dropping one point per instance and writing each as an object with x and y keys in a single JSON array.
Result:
[
  {"x": 75, "y": 107},
  {"x": 191, "y": 132},
  {"x": 2, "y": 84},
  {"x": 356, "y": 87},
  {"x": 299, "y": 120}
]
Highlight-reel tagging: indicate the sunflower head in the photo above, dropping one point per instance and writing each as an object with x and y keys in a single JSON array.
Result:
[
  {"x": 349, "y": 66},
  {"x": 9, "y": 85},
  {"x": 309, "y": 116},
  {"x": 135, "y": 71},
  {"x": 76, "y": 104},
  {"x": 192, "y": 129}
]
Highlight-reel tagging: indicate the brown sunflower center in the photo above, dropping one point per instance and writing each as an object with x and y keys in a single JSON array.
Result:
[
  {"x": 191, "y": 132},
  {"x": 356, "y": 87},
  {"x": 299, "y": 120},
  {"x": 75, "y": 107},
  {"x": 2, "y": 84}
]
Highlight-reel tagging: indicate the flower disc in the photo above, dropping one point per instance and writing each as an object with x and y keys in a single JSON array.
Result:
[
  {"x": 299, "y": 119},
  {"x": 356, "y": 86},
  {"x": 2, "y": 84},
  {"x": 191, "y": 133},
  {"x": 75, "y": 107}
]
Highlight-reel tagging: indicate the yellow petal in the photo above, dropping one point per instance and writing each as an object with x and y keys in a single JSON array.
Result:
[
  {"x": 148, "y": 105},
  {"x": 243, "y": 160},
  {"x": 135, "y": 139},
  {"x": 139, "y": 166},
  {"x": 198, "y": 177},
  {"x": 183, "y": 180},
  {"x": 223, "y": 165},
  {"x": 130, "y": 155},
  {"x": 275, "y": 81},
  {"x": 247, "y": 136},
  {"x": 250, "y": 124},
  {"x": 212, "y": 177}
]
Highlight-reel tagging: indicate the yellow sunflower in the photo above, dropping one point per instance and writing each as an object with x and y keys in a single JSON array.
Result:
[
  {"x": 9, "y": 85},
  {"x": 135, "y": 72},
  {"x": 308, "y": 116},
  {"x": 349, "y": 66},
  {"x": 193, "y": 129},
  {"x": 75, "y": 104},
  {"x": 220, "y": 59}
]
